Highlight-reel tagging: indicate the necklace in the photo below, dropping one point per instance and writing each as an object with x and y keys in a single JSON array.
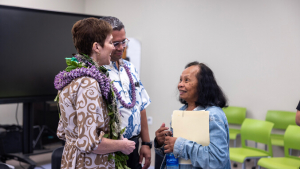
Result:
[
  {"x": 83, "y": 65},
  {"x": 131, "y": 105},
  {"x": 124, "y": 104},
  {"x": 64, "y": 78}
]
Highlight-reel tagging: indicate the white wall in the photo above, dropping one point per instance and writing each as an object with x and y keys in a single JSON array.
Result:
[
  {"x": 252, "y": 47},
  {"x": 8, "y": 111}
]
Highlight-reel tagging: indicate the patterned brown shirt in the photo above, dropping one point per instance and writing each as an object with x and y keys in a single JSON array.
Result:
[{"x": 84, "y": 120}]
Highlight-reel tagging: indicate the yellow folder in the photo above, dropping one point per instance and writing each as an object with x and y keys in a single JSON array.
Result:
[{"x": 191, "y": 125}]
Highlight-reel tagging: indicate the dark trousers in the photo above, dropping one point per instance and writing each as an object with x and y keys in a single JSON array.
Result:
[{"x": 133, "y": 161}]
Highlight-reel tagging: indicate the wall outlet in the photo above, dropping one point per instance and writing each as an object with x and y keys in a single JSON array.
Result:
[{"x": 149, "y": 119}]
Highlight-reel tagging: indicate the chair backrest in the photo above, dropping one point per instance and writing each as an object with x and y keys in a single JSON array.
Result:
[
  {"x": 281, "y": 119},
  {"x": 235, "y": 115},
  {"x": 258, "y": 131},
  {"x": 291, "y": 140},
  {"x": 56, "y": 157}
]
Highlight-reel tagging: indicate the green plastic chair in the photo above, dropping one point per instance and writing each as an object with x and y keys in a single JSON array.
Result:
[
  {"x": 235, "y": 115},
  {"x": 281, "y": 120},
  {"x": 257, "y": 131},
  {"x": 291, "y": 141}
]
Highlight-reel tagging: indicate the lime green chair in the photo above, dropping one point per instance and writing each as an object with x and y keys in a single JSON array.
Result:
[
  {"x": 257, "y": 131},
  {"x": 281, "y": 120},
  {"x": 235, "y": 115},
  {"x": 291, "y": 141}
]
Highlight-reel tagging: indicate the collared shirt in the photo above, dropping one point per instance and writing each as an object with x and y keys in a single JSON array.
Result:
[
  {"x": 131, "y": 118},
  {"x": 215, "y": 155}
]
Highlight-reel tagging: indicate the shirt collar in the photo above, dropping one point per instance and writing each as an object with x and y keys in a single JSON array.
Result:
[
  {"x": 114, "y": 65},
  {"x": 195, "y": 109}
]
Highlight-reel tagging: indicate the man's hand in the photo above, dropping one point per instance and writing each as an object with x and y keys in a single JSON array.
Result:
[
  {"x": 145, "y": 152},
  {"x": 169, "y": 144},
  {"x": 161, "y": 133}
]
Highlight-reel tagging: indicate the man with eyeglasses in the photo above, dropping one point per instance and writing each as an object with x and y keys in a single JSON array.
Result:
[{"x": 126, "y": 80}]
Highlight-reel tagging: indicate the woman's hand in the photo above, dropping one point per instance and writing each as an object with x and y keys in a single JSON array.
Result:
[
  {"x": 161, "y": 133},
  {"x": 169, "y": 144},
  {"x": 128, "y": 146}
]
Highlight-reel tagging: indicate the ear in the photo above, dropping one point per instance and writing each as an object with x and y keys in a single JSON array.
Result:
[{"x": 96, "y": 47}]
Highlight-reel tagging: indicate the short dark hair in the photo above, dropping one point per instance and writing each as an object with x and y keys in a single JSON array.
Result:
[
  {"x": 208, "y": 91},
  {"x": 87, "y": 31},
  {"x": 115, "y": 23}
]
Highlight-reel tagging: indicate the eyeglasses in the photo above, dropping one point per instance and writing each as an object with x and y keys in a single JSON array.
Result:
[{"x": 124, "y": 43}]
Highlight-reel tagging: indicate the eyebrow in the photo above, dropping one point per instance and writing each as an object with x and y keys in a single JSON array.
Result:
[{"x": 119, "y": 41}]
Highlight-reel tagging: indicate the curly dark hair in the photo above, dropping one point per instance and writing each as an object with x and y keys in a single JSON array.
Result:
[{"x": 209, "y": 93}]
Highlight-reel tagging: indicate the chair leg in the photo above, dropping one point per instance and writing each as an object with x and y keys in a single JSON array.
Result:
[
  {"x": 244, "y": 165},
  {"x": 266, "y": 147},
  {"x": 255, "y": 161},
  {"x": 259, "y": 167},
  {"x": 234, "y": 143}
]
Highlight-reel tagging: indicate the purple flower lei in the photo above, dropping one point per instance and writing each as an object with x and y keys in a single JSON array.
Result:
[
  {"x": 63, "y": 78},
  {"x": 128, "y": 106}
]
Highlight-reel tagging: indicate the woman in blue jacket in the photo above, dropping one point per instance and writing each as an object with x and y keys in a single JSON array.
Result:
[{"x": 198, "y": 90}]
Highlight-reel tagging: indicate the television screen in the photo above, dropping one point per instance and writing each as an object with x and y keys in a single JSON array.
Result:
[{"x": 33, "y": 45}]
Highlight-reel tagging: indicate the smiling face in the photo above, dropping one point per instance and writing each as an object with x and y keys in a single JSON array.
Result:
[
  {"x": 118, "y": 36},
  {"x": 188, "y": 83},
  {"x": 105, "y": 52}
]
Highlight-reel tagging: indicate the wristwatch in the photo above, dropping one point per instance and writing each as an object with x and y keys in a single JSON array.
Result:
[{"x": 148, "y": 144}]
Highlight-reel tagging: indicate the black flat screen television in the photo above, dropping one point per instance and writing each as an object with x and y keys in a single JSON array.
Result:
[{"x": 33, "y": 45}]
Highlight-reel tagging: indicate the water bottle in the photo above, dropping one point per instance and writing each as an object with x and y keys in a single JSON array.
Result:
[{"x": 172, "y": 162}]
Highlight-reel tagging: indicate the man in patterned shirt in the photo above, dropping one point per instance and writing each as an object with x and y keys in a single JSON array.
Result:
[{"x": 135, "y": 118}]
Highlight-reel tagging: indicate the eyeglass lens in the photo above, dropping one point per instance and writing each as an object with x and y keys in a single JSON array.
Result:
[{"x": 123, "y": 43}]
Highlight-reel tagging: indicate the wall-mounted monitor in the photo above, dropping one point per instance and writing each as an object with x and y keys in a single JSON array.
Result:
[{"x": 33, "y": 45}]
